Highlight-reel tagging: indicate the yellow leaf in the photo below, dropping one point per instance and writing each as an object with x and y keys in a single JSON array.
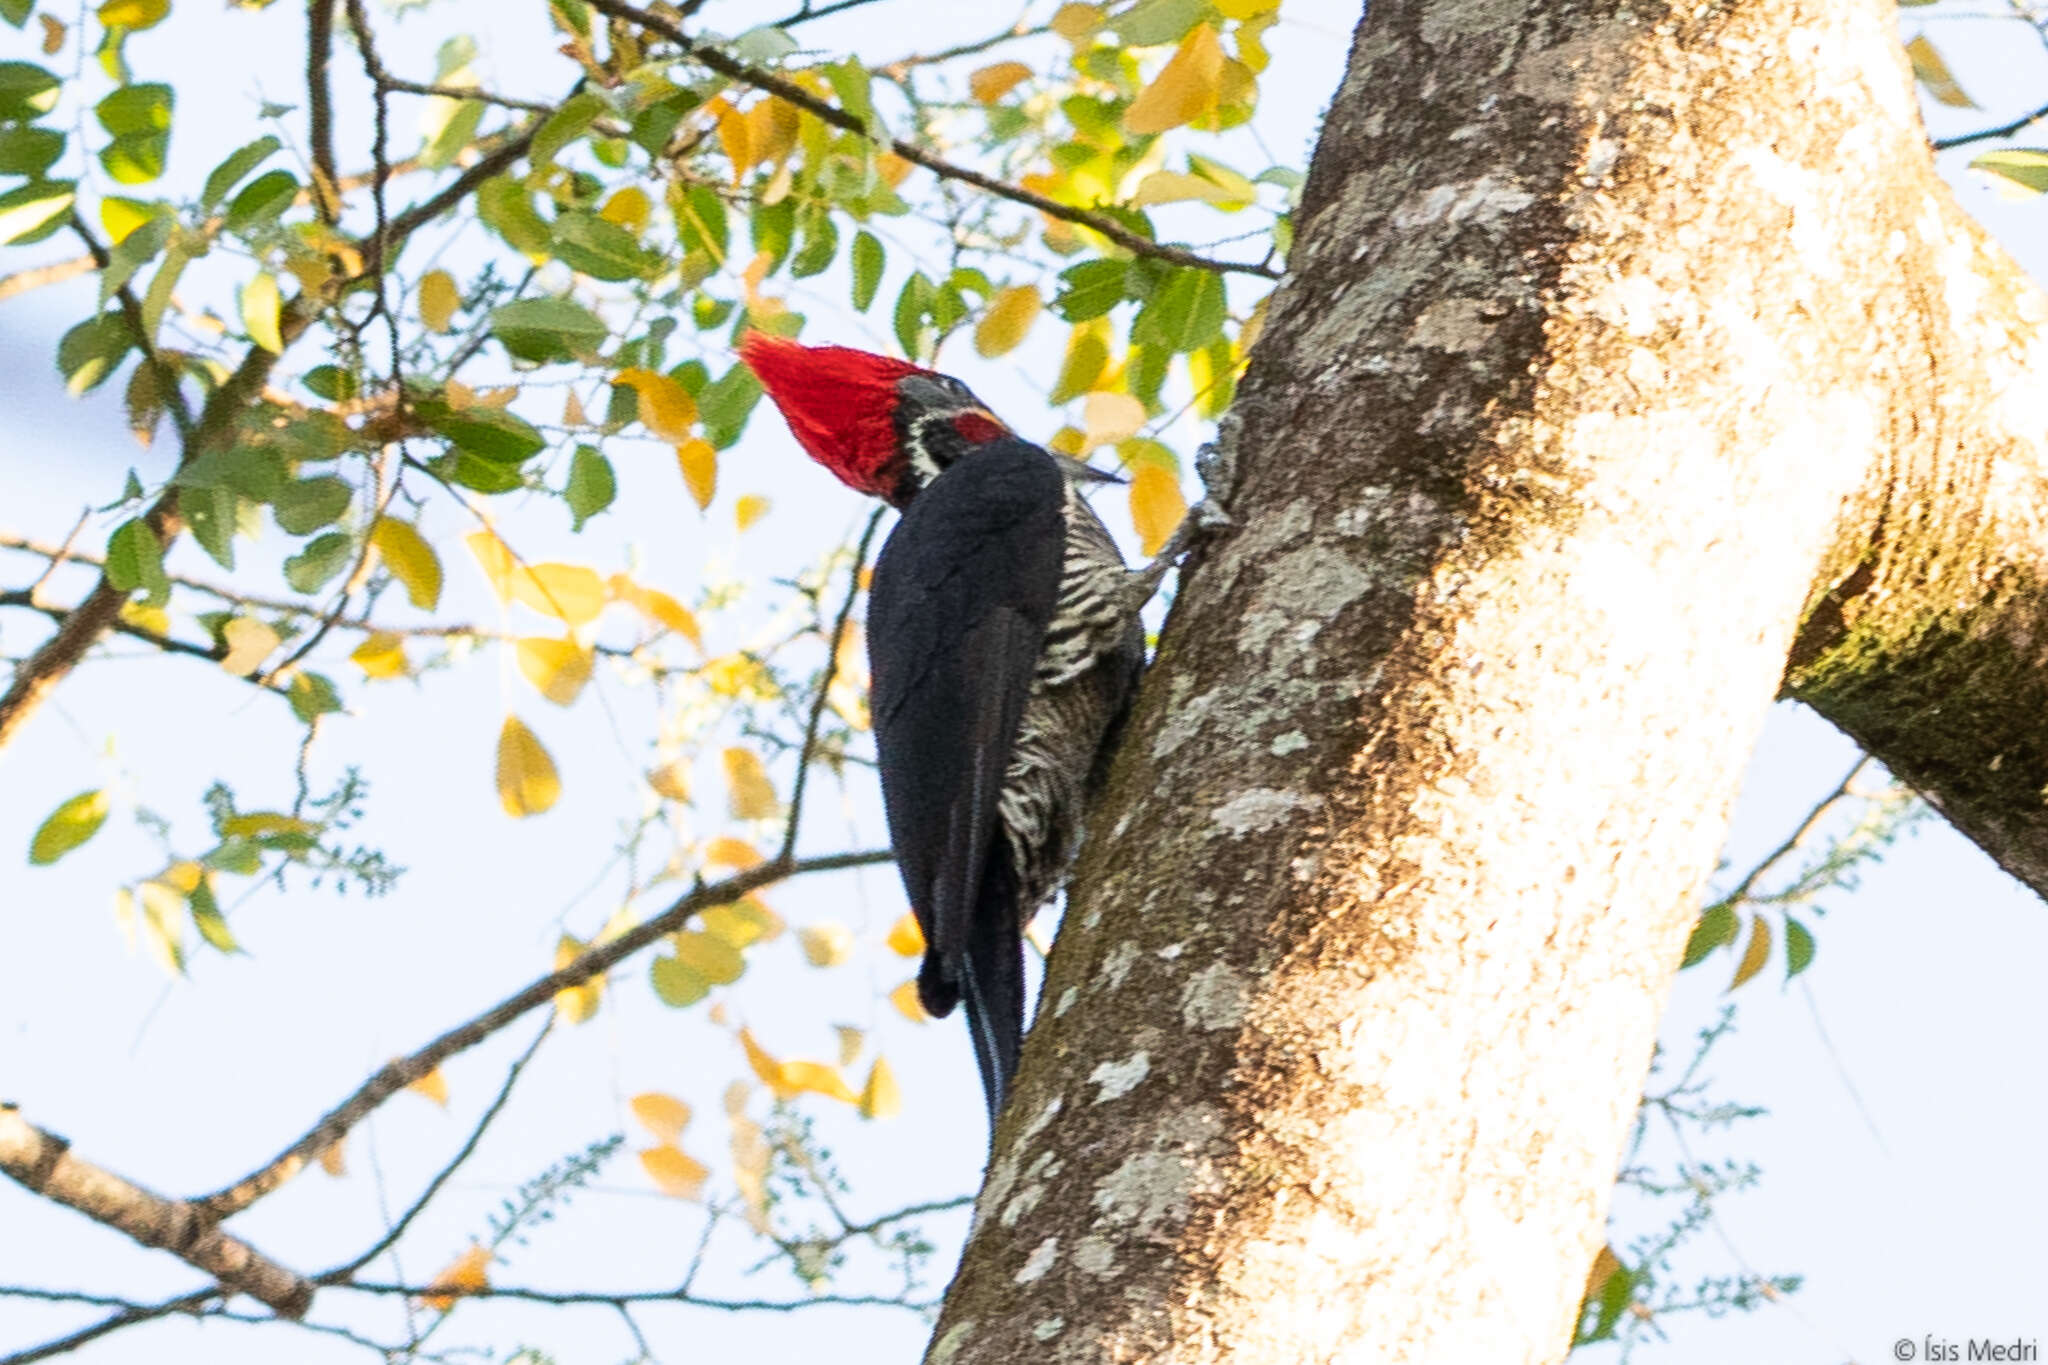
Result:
[
  {"x": 851, "y": 1041},
  {"x": 183, "y": 876},
  {"x": 1076, "y": 22},
  {"x": 674, "y": 1171},
  {"x": 433, "y": 1085},
  {"x": 572, "y": 411},
  {"x": 1185, "y": 88},
  {"x": 826, "y": 945},
  {"x": 743, "y": 923},
  {"x": 559, "y": 668},
  {"x": 666, "y": 408},
  {"x": 676, "y": 983},
  {"x": 468, "y": 1273},
  {"x": 1008, "y": 320},
  {"x": 1156, "y": 506},
  {"x": 493, "y": 556},
  {"x": 570, "y": 593},
  {"x": 991, "y": 83},
  {"x": 259, "y": 823},
  {"x": 68, "y": 826},
  {"x": 670, "y": 780},
  {"x": 750, "y": 1159},
  {"x": 141, "y": 615},
  {"x": 1756, "y": 954},
  {"x": 880, "y": 1098},
  {"x": 576, "y": 1004},
  {"x": 712, "y": 958},
  {"x": 628, "y": 207},
  {"x": 527, "y": 781},
  {"x": 334, "y": 1158},
  {"x": 904, "y": 998},
  {"x": 439, "y": 298},
  {"x": 1245, "y": 9},
  {"x": 700, "y": 469},
  {"x": 380, "y": 655},
  {"x": 733, "y": 136},
  {"x": 749, "y": 510},
  {"x": 259, "y": 311},
  {"x": 772, "y": 128},
  {"x": 657, "y": 606},
  {"x": 1931, "y": 71},
  {"x": 892, "y": 169},
  {"x": 727, "y": 851},
  {"x": 134, "y": 14},
  {"x": 1111, "y": 417},
  {"x": 1173, "y": 187},
  {"x": 163, "y": 921},
  {"x": 905, "y": 937},
  {"x": 54, "y": 30},
  {"x": 249, "y": 643},
  {"x": 413, "y": 562},
  {"x": 752, "y": 795},
  {"x": 765, "y": 1066},
  {"x": 665, "y": 1116},
  {"x": 818, "y": 1079}
]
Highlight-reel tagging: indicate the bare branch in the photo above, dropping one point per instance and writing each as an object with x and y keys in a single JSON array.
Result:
[
  {"x": 791, "y": 93},
  {"x": 805, "y": 754},
  {"x": 43, "y": 1163},
  {"x": 126, "y": 1317},
  {"x": 1942, "y": 144},
  {"x": 561, "y": 1298},
  {"x": 320, "y": 109},
  {"x": 22, "y": 281}
]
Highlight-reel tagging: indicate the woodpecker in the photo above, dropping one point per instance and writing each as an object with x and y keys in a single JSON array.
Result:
[{"x": 1004, "y": 648}]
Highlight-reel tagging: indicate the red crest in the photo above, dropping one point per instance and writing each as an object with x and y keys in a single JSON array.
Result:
[{"x": 840, "y": 405}]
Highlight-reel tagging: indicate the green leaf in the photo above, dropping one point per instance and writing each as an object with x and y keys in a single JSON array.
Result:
[
  {"x": 214, "y": 514},
  {"x": 772, "y": 227},
  {"x": 247, "y": 467},
  {"x": 913, "y": 305},
  {"x": 1091, "y": 289},
  {"x": 548, "y": 329},
  {"x": 506, "y": 207},
  {"x": 35, "y": 208},
  {"x": 676, "y": 984},
  {"x": 323, "y": 558},
  {"x": 469, "y": 471},
  {"x": 67, "y": 827},
  {"x": 849, "y": 80},
  {"x": 136, "y": 158},
  {"x": 591, "y": 487},
  {"x": 262, "y": 199},
  {"x": 1185, "y": 313},
  {"x": 489, "y": 433},
  {"x": 2022, "y": 168},
  {"x": 821, "y": 245},
  {"x": 29, "y": 151},
  {"x": 1154, "y": 23},
  {"x": 136, "y": 110},
  {"x": 16, "y": 12},
  {"x": 135, "y": 559},
  {"x": 133, "y": 252},
  {"x": 571, "y": 121},
  {"x": 208, "y": 920},
  {"x": 313, "y": 696},
  {"x": 600, "y": 249},
  {"x": 90, "y": 352},
  {"x": 305, "y": 505},
  {"x": 331, "y": 382},
  {"x": 446, "y": 141},
  {"x": 1716, "y": 927},
  {"x": 229, "y": 173},
  {"x": 724, "y": 405},
  {"x": 701, "y": 223},
  {"x": 27, "y": 92},
  {"x": 1799, "y": 948},
  {"x": 868, "y": 260}
]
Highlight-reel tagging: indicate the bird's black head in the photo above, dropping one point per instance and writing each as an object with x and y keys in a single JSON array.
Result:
[{"x": 938, "y": 419}]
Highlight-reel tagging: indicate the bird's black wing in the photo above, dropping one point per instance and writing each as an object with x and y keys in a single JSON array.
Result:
[{"x": 957, "y": 614}]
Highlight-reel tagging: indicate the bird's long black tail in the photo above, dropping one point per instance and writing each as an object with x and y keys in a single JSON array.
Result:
[{"x": 992, "y": 978}]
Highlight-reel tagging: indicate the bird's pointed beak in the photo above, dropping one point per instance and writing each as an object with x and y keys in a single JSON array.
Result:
[{"x": 1080, "y": 471}]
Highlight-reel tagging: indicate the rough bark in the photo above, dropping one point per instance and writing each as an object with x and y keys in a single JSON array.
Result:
[{"x": 1602, "y": 365}]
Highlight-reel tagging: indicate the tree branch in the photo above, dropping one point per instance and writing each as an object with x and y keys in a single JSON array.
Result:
[
  {"x": 791, "y": 93},
  {"x": 43, "y": 1163},
  {"x": 22, "y": 281},
  {"x": 320, "y": 109},
  {"x": 1942, "y": 144}
]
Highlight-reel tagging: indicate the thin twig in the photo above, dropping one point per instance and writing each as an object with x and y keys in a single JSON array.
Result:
[
  {"x": 464, "y": 92},
  {"x": 184, "y": 1303},
  {"x": 1798, "y": 836},
  {"x": 59, "y": 555},
  {"x": 1942, "y": 144},
  {"x": 22, "y": 281},
  {"x": 791, "y": 93},
  {"x": 564, "y": 1298},
  {"x": 441, "y": 1177},
  {"x": 598, "y": 959},
  {"x": 818, "y": 703}
]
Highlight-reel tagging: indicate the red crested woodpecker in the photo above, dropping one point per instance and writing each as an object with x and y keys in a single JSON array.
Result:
[{"x": 1004, "y": 646}]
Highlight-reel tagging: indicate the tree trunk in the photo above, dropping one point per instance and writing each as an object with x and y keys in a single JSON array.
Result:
[{"x": 1624, "y": 347}]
